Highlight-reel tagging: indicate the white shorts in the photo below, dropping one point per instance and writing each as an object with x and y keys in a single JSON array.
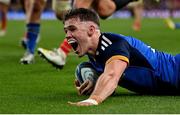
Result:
[
  {"x": 61, "y": 5},
  {"x": 7, "y": 2}
]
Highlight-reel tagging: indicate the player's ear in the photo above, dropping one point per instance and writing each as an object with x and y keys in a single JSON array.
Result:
[{"x": 91, "y": 30}]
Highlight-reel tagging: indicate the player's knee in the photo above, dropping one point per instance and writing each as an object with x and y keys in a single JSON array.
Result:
[
  {"x": 60, "y": 7},
  {"x": 105, "y": 11},
  {"x": 76, "y": 5},
  {"x": 103, "y": 14},
  {"x": 80, "y": 5}
]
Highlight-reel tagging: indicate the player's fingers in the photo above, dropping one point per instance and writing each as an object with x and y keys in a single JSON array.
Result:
[
  {"x": 87, "y": 88},
  {"x": 77, "y": 83},
  {"x": 78, "y": 88},
  {"x": 72, "y": 103},
  {"x": 83, "y": 86},
  {"x": 90, "y": 91},
  {"x": 86, "y": 91}
]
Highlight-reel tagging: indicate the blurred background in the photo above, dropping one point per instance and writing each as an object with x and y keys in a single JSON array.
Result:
[{"x": 152, "y": 8}]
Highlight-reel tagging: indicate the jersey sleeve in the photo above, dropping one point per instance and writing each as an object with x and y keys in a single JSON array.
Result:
[{"x": 118, "y": 50}]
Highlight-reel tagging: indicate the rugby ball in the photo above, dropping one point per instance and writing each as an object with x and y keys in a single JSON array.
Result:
[{"x": 85, "y": 71}]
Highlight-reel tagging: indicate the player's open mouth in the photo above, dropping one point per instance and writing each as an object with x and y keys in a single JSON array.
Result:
[{"x": 73, "y": 43}]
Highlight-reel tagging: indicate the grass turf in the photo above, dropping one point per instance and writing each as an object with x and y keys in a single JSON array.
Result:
[{"x": 39, "y": 88}]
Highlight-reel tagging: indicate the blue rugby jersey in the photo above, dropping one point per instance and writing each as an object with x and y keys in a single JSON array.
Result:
[{"x": 148, "y": 71}]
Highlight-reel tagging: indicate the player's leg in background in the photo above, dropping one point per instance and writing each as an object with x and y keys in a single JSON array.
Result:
[
  {"x": 83, "y": 3},
  {"x": 57, "y": 57},
  {"x": 27, "y": 7},
  {"x": 137, "y": 8},
  {"x": 106, "y": 8},
  {"x": 60, "y": 7},
  {"x": 4, "y": 4},
  {"x": 33, "y": 30}
]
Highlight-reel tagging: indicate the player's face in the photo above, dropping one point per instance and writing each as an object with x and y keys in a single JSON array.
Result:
[{"x": 77, "y": 35}]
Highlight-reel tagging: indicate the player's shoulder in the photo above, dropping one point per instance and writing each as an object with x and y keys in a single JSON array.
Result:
[
  {"x": 111, "y": 43},
  {"x": 115, "y": 39},
  {"x": 121, "y": 40},
  {"x": 113, "y": 36}
]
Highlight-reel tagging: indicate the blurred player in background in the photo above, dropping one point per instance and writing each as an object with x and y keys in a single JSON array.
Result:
[
  {"x": 104, "y": 8},
  {"x": 33, "y": 18},
  {"x": 33, "y": 10},
  {"x": 137, "y": 10},
  {"x": 4, "y": 4},
  {"x": 171, "y": 24},
  {"x": 58, "y": 56}
]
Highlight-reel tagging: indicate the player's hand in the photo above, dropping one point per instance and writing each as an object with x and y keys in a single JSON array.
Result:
[
  {"x": 77, "y": 85},
  {"x": 84, "y": 89}
]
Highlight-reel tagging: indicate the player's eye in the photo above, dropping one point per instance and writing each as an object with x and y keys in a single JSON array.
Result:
[{"x": 72, "y": 28}]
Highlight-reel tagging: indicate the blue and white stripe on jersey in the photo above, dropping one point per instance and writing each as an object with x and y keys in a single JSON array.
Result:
[{"x": 105, "y": 42}]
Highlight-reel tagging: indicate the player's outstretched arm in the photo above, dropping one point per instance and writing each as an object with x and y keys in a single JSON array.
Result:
[
  {"x": 106, "y": 84},
  {"x": 108, "y": 81}
]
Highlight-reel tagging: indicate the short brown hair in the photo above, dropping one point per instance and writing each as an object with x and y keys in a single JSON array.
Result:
[{"x": 83, "y": 14}]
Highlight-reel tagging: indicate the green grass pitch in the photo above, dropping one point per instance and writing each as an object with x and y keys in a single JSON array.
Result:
[{"x": 40, "y": 88}]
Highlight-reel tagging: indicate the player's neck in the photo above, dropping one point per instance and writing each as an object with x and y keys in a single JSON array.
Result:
[{"x": 94, "y": 43}]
